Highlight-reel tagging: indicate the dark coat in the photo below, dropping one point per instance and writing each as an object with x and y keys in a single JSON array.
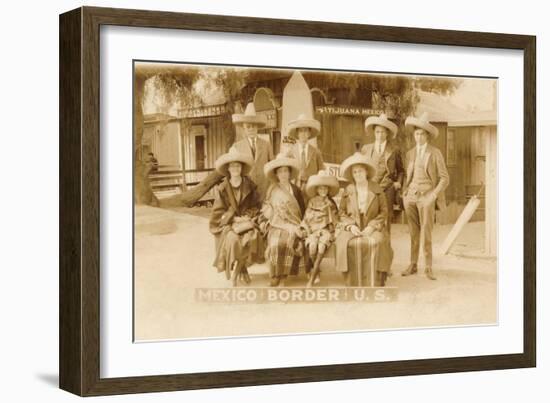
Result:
[
  {"x": 314, "y": 161},
  {"x": 226, "y": 208},
  {"x": 394, "y": 164},
  {"x": 246, "y": 248},
  {"x": 375, "y": 217}
]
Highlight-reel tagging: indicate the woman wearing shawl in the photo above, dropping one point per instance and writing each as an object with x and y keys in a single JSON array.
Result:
[
  {"x": 283, "y": 211},
  {"x": 233, "y": 218},
  {"x": 363, "y": 249}
]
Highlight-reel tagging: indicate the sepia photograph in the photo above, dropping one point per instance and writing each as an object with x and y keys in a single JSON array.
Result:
[{"x": 286, "y": 201}]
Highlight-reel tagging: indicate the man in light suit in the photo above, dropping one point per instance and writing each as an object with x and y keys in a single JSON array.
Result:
[
  {"x": 386, "y": 158},
  {"x": 311, "y": 160},
  {"x": 258, "y": 149},
  {"x": 424, "y": 190}
]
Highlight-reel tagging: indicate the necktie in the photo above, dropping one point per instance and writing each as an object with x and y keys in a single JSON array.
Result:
[
  {"x": 380, "y": 148},
  {"x": 253, "y": 145},
  {"x": 302, "y": 173}
]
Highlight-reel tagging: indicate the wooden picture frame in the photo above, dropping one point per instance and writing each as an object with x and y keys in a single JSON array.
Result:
[{"x": 79, "y": 281}]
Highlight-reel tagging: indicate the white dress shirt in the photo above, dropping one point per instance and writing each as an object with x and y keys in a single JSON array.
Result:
[
  {"x": 421, "y": 150},
  {"x": 303, "y": 151},
  {"x": 380, "y": 147},
  {"x": 252, "y": 141},
  {"x": 362, "y": 196}
]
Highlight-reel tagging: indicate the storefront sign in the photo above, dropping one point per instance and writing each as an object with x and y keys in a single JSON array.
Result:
[
  {"x": 203, "y": 111},
  {"x": 333, "y": 169},
  {"x": 271, "y": 116},
  {"x": 347, "y": 110}
]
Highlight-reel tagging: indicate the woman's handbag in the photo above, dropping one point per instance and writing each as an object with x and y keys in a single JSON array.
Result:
[{"x": 241, "y": 227}]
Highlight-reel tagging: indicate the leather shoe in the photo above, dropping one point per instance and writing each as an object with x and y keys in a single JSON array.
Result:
[
  {"x": 234, "y": 274},
  {"x": 412, "y": 269},
  {"x": 245, "y": 276},
  {"x": 274, "y": 281},
  {"x": 430, "y": 274}
]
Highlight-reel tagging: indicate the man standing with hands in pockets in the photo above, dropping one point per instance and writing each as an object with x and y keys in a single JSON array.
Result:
[{"x": 424, "y": 190}]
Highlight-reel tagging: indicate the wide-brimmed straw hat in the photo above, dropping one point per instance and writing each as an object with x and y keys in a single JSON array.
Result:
[
  {"x": 282, "y": 160},
  {"x": 356, "y": 159},
  {"x": 303, "y": 121},
  {"x": 423, "y": 123},
  {"x": 222, "y": 163},
  {"x": 382, "y": 120},
  {"x": 249, "y": 116},
  {"x": 323, "y": 178}
]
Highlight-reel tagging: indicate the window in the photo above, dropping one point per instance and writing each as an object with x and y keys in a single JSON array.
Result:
[{"x": 451, "y": 148}]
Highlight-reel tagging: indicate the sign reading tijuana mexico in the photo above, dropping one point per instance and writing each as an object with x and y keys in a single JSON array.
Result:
[{"x": 347, "y": 110}]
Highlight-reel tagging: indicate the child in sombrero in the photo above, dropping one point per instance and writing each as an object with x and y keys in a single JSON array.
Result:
[{"x": 320, "y": 219}]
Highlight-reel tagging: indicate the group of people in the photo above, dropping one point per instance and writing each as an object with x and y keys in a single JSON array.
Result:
[{"x": 282, "y": 210}]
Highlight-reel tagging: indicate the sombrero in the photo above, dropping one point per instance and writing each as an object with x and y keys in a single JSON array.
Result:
[
  {"x": 356, "y": 159},
  {"x": 303, "y": 121},
  {"x": 222, "y": 163},
  {"x": 322, "y": 179},
  {"x": 249, "y": 116},
  {"x": 282, "y": 160},
  {"x": 423, "y": 123},
  {"x": 381, "y": 120}
]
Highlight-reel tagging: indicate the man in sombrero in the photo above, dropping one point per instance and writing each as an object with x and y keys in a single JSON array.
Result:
[
  {"x": 386, "y": 158},
  {"x": 424, "y": 190},
  {"x": 252, "y": 145},
  {"x": 311, "y": 160}
]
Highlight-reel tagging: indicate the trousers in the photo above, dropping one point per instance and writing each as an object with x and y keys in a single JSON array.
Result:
[{"x": 420, "y": 212}]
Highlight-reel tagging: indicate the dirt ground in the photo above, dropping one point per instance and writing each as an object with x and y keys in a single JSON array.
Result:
[{"x": 173, "y": 256}]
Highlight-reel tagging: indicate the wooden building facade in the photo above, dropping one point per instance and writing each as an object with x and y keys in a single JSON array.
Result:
[
  {"x": 467, "y": 140},
  {"x": 162, "y": 137},
  {"x": 341, "y": 112},
  {"x": 472, "y": 161},
  {"x": 204, "y": 132}
]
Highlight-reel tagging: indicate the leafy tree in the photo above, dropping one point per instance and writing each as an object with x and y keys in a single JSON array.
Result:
[
  {"x": 230, "y": 81},
  {"x": 171, "y": 84},
  {"x": 397, "y": 94}
]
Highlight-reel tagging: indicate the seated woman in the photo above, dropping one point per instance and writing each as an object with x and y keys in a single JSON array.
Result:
[
  {"x": 283, "y": 211},
  {"x": 233, "y": 217},
  {"x": 363, "y": 250}
]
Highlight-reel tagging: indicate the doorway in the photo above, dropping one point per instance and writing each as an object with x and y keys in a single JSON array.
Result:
[{"x": 200, "y": 152}]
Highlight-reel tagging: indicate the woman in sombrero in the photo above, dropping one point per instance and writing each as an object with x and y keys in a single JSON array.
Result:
[
  {"x": 233, "y": 217},
  {"x": 283, "y": 211},
  {"x": 363, "y": 250}
]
